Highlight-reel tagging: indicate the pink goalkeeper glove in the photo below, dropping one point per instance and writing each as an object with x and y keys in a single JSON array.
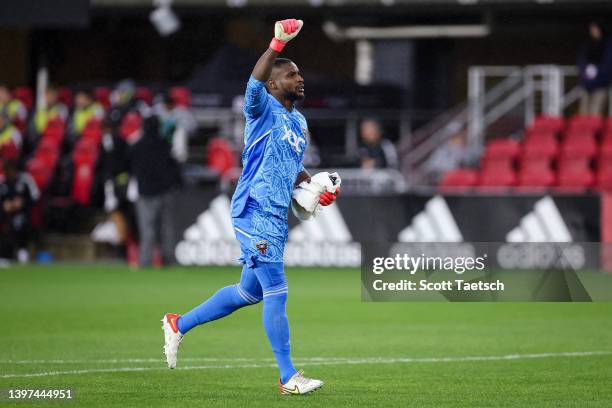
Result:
[{"x": 285, "y": 31}]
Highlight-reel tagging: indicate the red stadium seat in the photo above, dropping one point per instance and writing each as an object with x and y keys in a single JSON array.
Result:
[
  {"x": 41, "y": 171},
  {"x": 102, "y": 95},
  {"x": 9, "y": 150},
  {"x": 47, "y": 150},
  {"x": 84, "y": 157},
  {"x": 181, "y": 96},
  {"x": 579, "y": 134},
  {"x": 496, "y": 180},
  {"x": 604, "y": 180},
  {"x": 64, "y": 95},
  {"x": 92, "y": 130},
  {"x": 81, "y": 184},
  {"x": 573, "y": 163},
  {"x": 579, "y": 148},
  {"x": 591, "y": 123},
  {"x": 540, "y": 148},
  {"x": 605, "y": 150},
  {"x": 85, "y": 151},
  {"x": 551, "y": 124},
  {"x": 144, "y": 94},
  {"x": 505, "y": 148},
  {"x": 604, "y": 162},
  {"x": 220, "y": 155},
  {"x": 531, "y": 164},
  {"x": 494, "y": 163},
  {"x": 54, "y": 131},
  {"x": 542, "y": 137},
  {"x": 607, "y": 135},
  {"x": 535, "y": 180},
  {"x": 458, "y": 180},
  {"x": 24, "y": 94},
  {"x": 575, "y": 181}
]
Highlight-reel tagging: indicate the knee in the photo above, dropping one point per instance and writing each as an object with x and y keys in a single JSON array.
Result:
[
  {"x": 246, "y": 297},
  {"x": 276, "y": 293},
  {"x": 277, "y": 302}
]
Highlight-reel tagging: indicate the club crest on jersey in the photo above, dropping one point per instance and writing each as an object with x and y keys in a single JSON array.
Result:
[
  {"x": 262, "y": 246},
  {"x": 293, "y": 139}
]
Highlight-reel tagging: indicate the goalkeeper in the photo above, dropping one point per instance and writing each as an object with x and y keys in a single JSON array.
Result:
[{"x": 273, "y": 174}]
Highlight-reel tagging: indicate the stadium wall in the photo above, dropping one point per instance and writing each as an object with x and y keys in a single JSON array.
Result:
[{"x": 336, "y": 237}]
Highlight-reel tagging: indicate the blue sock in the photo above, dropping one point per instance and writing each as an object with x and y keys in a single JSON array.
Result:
[
  {"x": 276, "y": 325},
  {"x": 222, "y": 303}
]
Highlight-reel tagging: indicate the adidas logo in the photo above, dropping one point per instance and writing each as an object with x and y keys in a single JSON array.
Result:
[
  {"x": 213, "y": 224},
  {"x": 324, "y": 240},
  {"x": 543, "y": 224},
  {"x": 434, "y": 224},
  {"x": 328, "y": 226}
]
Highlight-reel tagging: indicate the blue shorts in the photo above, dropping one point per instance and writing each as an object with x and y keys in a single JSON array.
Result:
[{"x": 262, "y": 236}]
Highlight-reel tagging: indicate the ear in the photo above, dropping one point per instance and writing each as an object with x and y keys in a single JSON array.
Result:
[{"x": 272, "y": 84}]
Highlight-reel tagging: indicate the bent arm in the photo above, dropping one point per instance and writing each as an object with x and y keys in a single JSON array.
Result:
[
  {"x": 303, "y": 175},
  {"x": 264, "y": 65}
]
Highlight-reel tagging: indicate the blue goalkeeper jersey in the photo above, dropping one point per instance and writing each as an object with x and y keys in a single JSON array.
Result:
[{"x": 274, "y": 145}]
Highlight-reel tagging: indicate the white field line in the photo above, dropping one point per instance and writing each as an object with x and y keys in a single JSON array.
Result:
[
  {"x": 157, "y": 360},
  {"x": 318, "y": 361}
]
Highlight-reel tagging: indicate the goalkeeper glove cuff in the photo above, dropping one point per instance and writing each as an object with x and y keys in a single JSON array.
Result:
[{"x": 285, "y": 31}]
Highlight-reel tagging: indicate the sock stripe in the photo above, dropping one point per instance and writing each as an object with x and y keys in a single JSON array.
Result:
[
  {"x": 277, "y": 291},
  {"x": 243, "y": 295},
  {"x": 282, "y": 288},
  {"x": 246, "y": 296}
]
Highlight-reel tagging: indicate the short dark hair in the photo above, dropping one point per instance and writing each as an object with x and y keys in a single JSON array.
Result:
[{"x": 279, "y": 62}]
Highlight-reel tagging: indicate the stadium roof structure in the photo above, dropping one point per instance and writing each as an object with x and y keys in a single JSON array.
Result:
[{"x": 341, "y": 3}]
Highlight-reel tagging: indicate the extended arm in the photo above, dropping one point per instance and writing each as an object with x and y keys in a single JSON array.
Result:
[
  {"x": 255, "y": 98},
  {"x": 284, "y": 31}
]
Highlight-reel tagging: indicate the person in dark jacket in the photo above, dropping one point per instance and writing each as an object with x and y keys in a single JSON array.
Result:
[
  {"x": 595, "y": 70},
  {"x": 18, "y": 193},
  {"x": 157, "y": 174},
  {"x": 377, "y": 151}
]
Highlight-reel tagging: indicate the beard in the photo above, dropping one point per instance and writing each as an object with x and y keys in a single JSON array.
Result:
[{"x": 295, "y": 97}]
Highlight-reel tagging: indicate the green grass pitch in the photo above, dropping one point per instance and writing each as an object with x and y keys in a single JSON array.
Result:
[{"x": 96, "y": 329}]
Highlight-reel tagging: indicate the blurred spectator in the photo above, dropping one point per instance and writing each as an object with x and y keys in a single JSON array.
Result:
[
  {"x": 14, "y": 108},
  {"x": 377, "y": 152},
  {"x": 10, "y": 138},
  {"x": 157, "y": 175},
  {"x": 123, "y": 101},
  {"x": 52, "y": 109},
  {"x": 18, "y": 192},
  {"x": 595, "y": 70},
  {"x": 121, "y": 226},
  {"x": 115, "y": 170},
  {"x": 85, "y": 109},
  {"x": 453, "y": 154},
  {"x": 177, "y": 126}
]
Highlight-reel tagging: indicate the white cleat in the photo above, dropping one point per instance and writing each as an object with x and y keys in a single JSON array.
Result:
[
  {"x": 299, "y": 385},
  {"x": 172, "y": 338}
]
